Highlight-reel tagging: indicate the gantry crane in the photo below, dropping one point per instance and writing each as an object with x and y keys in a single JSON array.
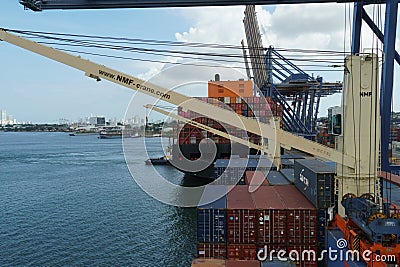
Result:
[{"x": 279, "y": 78}]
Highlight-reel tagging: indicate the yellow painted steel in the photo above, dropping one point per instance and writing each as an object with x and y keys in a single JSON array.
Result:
[{"x": 98, "y": 72}]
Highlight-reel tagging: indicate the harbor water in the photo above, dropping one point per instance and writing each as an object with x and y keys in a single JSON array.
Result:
[{"x": 71, "y": 201}]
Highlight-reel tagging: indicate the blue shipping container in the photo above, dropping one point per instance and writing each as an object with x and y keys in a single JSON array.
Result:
[
  {"x": 277, "y": 263},
  {"x": 289, "y": 174},
  {"x": 315, "y": 180},
  {"x": 276, "y": 178},
  {"x": 289, "y": 156},
  {"x": 263, "y": 162},
  {"x": 322, "y": 224},
  {"x": 287, "y": 163},
  {"x": 211, "y": 216},
  {"x": 233, "y": 171}
]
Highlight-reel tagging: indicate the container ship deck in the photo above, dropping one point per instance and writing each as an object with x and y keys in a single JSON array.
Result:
[{"x": 237, "y": 96}]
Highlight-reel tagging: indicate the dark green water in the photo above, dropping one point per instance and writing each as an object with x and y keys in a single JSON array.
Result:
[{"x": 70, "y": 201}]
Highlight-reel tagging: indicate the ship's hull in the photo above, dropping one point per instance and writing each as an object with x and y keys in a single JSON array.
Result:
[
  {"x": 83, "y": 133},
  {"x": 191, "y": 152},
  {"x": 110, "y": 136}
]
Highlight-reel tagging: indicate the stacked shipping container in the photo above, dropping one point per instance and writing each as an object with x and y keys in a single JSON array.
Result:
[
  {"x": 255, "y": 178},
  {"x": 240, "y": 216},
  {"x": 272, "y": 217},
  {"x": 276, "y": 178},
  {"x": 315, "y": 180},
  {"x": 253, "y": 107},
  {"x": 301, "y": 222},
  {"x": 325, "y": 138},
  {"x": 211, "y": 215},
  {"x": 211, "y": 223},
  {"x": 233, "y": 171},
  {"x": 288, "y": 174},
  {"x": 238, "y": 263}
]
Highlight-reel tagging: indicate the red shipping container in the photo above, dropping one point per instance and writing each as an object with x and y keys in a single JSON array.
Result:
[
  {"x": 241, "y": 216},
  {"x": 242, "y": 252},
  {"x": 248, "y": 263},
  {"x": 270, "y": 251},
  {"x": 301, "y": 216},
  {"x": 255, "y": 178},
  {"x": 208, "y": 263},
  {"x": 211, "y": 250},
  {"x": 271, "y": 216},
  {"x": 307, "y": 255}
]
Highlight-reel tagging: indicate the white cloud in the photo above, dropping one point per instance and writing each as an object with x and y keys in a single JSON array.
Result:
[
  {"x": 221, "y": 25},
  {"x": 308, "y": 26}
]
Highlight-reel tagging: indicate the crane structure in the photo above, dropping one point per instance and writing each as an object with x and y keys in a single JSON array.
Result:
[
  {"x": 388, "y": 39},
  {"x": 255, "y": 47},
  {"x": 293, "y": 84},
  {"x": 98, "y": 72},
  {"x": 357, "y": 158},
  {"x": 352, "y": 165}
]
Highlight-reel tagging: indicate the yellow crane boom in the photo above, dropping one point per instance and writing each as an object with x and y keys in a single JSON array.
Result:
[{"x": 98, "y": 72}]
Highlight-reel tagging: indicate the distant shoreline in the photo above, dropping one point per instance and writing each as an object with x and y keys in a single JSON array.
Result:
[{"x": 36, "y": 128}]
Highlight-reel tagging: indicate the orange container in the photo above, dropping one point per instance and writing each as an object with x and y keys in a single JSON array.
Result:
[
  {"x": 208, "y": 263},
  {"x": 231, "y": 89}
]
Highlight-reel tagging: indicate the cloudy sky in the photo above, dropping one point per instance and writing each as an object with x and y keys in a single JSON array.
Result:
[{"x": 36, "y": 89}]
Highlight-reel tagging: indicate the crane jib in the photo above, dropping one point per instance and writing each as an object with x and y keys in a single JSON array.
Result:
[{"x": 97, "y": 71}]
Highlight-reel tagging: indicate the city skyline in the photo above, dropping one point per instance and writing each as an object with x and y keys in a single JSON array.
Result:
[{"x": 8, "y": 119}]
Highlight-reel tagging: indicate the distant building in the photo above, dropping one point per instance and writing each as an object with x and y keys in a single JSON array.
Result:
[
  {"x": 98, "y": 121},
  {"x": 3, "y": 117}
]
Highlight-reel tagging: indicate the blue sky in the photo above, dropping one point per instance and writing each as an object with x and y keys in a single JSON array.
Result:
[
  {"x": 36, "y": 89},
  {"x": 40, "y": 90}
]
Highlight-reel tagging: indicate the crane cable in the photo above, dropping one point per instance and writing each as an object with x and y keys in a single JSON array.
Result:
[
  {"x": 226, "y": 58},
  {"x": 341, "y": 183}
]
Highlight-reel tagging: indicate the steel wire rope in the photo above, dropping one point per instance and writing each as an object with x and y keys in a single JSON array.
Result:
[
  {"x": 186, "y": 57},
  {"x": 378, "y": 164},
  {"x": 184, "y": 52},
  {"x": 169, "y": 62},
  {"x": 371, "y": 108},
  {"x": 357, "y": 182},
  {"x": 342, "y": 109},
  {"x": 173, "y": 43}
]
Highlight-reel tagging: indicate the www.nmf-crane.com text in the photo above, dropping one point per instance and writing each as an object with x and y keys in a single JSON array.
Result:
[{"x": 130, "y": 82}]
